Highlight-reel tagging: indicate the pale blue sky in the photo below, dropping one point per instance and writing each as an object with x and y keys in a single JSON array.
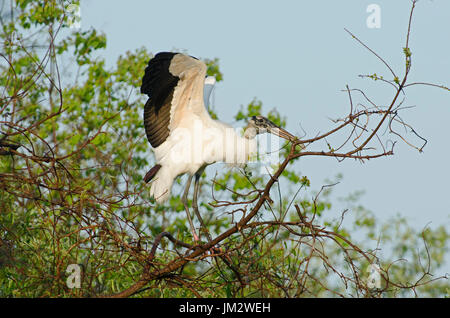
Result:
[{"x": 296, "y": 57}]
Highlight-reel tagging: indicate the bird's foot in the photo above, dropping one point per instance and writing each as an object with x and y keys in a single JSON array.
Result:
[
  {"x": 219, "y": 251},
  {"x": 216, "y": 250}
]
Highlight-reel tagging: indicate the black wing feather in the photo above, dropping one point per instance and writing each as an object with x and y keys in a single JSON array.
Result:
[{"x": 158, "y": 83}]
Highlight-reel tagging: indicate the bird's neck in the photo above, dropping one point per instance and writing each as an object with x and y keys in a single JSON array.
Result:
[{"x": 238, "y": 149}]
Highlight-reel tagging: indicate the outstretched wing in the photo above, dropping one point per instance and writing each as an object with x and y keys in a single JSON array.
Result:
[{"x": 174, "y": 82}]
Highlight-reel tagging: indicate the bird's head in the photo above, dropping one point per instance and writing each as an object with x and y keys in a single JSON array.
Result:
[{"x": 260, "y": 124}]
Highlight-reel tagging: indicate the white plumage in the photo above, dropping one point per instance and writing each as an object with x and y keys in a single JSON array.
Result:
[{"x": 187, "y": 150}]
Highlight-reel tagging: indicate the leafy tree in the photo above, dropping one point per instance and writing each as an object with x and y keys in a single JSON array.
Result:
[{"x": 72, "y": 156}]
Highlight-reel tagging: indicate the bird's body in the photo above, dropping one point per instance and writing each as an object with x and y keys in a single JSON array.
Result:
[
  {"x": 188, "y": 150},
  {"x": 184, "y": 136}
]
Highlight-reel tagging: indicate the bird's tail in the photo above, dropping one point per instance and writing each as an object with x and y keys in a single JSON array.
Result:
[
  {"x": 151, "y": 173},
  {"x": 161, "y": 185}
]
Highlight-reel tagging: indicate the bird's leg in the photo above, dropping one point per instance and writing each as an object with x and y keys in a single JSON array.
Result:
[
  {"x": 185, "y": 203},
  {"x": 195, "y": 205}
]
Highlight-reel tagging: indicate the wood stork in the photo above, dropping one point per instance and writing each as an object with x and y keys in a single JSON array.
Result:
[{"x": 184, "y": 136}]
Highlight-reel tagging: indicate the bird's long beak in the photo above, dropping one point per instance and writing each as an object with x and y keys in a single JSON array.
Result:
[{"x": 280, "y": 132}]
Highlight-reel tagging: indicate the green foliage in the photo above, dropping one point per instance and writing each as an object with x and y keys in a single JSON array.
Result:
[
  {"x": 253, "y": 109},
  {"x": 407, "y": 52},
  {"x": 213, "y": 69}
]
